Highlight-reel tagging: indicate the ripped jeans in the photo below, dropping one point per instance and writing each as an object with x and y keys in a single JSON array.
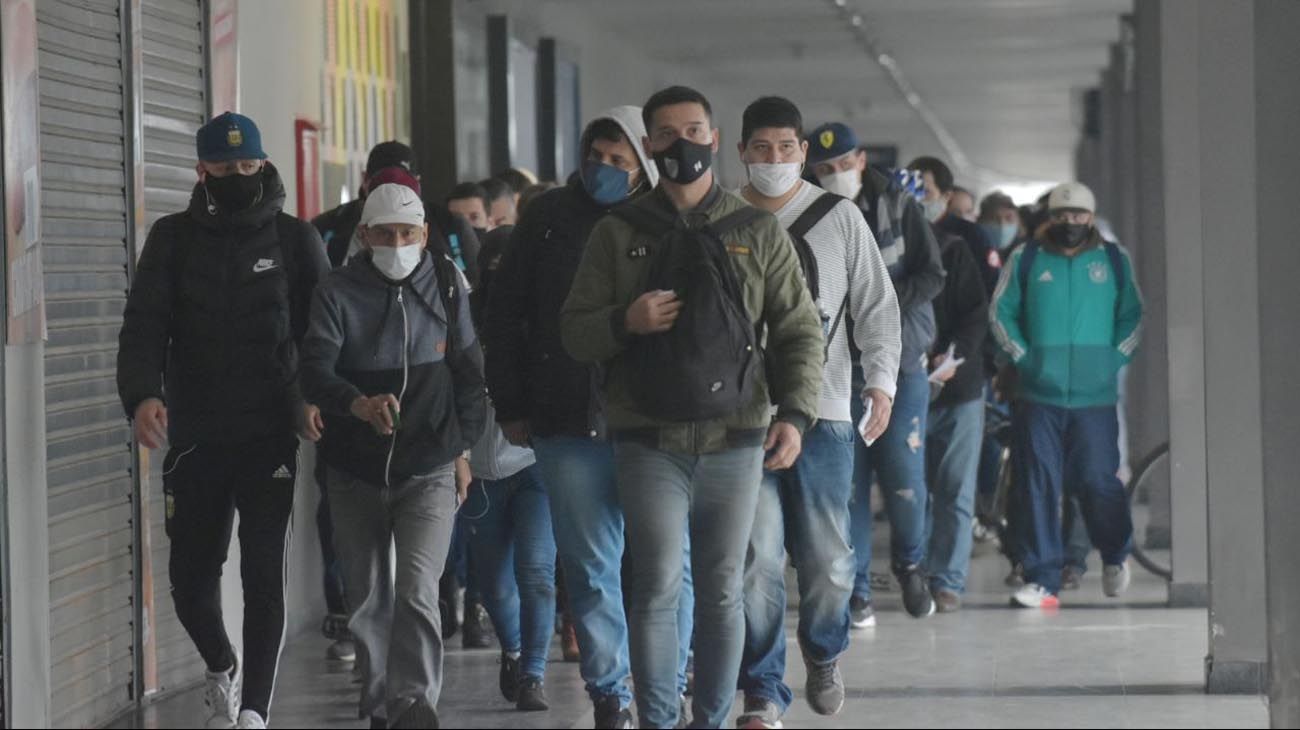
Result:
[{"x": 897, "y": 458}]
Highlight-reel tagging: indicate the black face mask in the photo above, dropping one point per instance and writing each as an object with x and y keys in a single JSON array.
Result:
[
  {"x": 234, "y": 193},
  {"x": 685, "y": 161},
  {"x": 480, "y": 233},
  {"x": 1070, "y": 235}
]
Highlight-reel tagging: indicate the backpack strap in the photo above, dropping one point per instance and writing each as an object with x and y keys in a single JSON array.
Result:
[
  {"x": 813, "y": 215},
  {"x": 798, "y": 231},
  {"x": 286, "y": 231},
  {"x": 448, "y": 277},
  {"x": 736, "y": 219},
  {"x": 1027, "y": 257},
  {"x": 1117, "y": 265}
]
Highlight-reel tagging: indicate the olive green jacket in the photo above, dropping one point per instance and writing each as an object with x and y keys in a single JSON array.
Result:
[{"x": 613, "y": 273}]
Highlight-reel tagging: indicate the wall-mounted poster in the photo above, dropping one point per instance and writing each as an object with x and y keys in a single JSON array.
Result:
[{"x": 22, "y": 173}]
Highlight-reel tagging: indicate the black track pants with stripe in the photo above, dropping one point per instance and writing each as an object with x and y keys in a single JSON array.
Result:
[{"x": 205, "y": 484}]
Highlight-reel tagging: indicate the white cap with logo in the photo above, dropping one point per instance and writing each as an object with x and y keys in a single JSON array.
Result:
[
  {"x": 1072, "y": 195},
  {"x": 392, "y": 203}
]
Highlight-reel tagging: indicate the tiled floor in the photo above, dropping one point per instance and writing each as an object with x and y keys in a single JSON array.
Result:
[{"x": 1095, "y": 663}]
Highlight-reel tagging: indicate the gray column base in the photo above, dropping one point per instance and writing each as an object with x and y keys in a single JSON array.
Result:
[
  {"x": 1235, "y": 678},
  {"x": 1189, "y": 595}
]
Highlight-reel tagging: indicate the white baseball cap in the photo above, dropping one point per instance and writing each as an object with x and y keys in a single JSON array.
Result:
[
  {"x": 1072, "y": 195},
  {"x": 392, "y": 203}
]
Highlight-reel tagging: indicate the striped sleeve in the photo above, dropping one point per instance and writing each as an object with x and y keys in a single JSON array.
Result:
[
  {"x": 873, "y": 306},
  {"x": 1004, "y": 314}
]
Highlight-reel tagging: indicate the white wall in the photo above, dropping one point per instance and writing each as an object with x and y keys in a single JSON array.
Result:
[{"x": 281, "y": 64}]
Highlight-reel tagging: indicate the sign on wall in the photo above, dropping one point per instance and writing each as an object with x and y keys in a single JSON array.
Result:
[{"x": 22, "y": 174}]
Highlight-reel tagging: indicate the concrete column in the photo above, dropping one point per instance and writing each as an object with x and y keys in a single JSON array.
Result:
[
  {"x": 1277, "y": 108},
  {"x": 1176, "y": 124},
  {"x": 1227, "y": 206},
  {"x": 1148, "y": 394}
]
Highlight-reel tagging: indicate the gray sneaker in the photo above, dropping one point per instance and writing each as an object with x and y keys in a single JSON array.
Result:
[
  {"x": 759, "y": 713},
  {"x": 825, "y": 688},
  {"x": 1115, "y": 579}
]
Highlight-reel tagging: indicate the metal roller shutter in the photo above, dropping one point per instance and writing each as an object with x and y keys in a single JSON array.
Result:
[
  {"x": 175, "y": 105},
  {"x": 83, "y": 166}
]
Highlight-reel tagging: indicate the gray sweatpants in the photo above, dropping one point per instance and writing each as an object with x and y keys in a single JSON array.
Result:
[{"x": 396, "y": 624}]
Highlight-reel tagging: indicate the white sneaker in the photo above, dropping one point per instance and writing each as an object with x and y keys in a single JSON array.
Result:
[
  {"x": 1115, "y": 579},
  {"x": 222, "y": 696},
  {"x": 1034, "y": 596},
  {"x": 250, "y": 719}
]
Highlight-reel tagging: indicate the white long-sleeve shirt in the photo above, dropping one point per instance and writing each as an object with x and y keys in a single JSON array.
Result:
[{"x": 849, "y": 262}]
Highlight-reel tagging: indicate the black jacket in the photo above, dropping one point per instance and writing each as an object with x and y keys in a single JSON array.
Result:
[
  {"x": 336, "y": 227},
  {"x": 215, "y": 315},
  {"x": 911, "y": 254},
  {"x": 371, "y": 336},
  {"x": 982, "y": 251},
  {"x": 529, "y": 374},
  {"x": 961, "y": 312}
]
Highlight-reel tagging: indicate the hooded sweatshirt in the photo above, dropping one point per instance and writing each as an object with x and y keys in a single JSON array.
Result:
[
  {"x": 372, "y": 336},
  {"x": 530, "y": 375}
]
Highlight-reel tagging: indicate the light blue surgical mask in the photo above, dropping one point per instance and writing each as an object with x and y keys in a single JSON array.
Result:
[
  {"x": 605, "y": 184},
  {"x": 1001, "y": 235}
]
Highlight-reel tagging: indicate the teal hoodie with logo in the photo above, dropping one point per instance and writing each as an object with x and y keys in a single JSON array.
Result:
[{"x": 1070, "y": 328}]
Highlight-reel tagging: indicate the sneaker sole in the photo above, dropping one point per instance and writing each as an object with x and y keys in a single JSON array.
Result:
[
  {"x": 756, "y": 723},
  {"x": 868, "y": 624}
]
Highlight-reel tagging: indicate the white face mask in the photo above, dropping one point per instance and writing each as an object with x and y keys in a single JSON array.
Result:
[
  {"x": 774, "y": 179},
  {"x": 935, "y": 209},
  {"x": 846, "y": 184},
  {"x": 397, "y": 263}
]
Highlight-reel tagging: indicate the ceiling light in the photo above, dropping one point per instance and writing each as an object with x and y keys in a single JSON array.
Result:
[{"x": 856, "y": 21}]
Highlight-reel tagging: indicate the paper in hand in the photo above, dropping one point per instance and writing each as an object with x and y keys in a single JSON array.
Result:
[
  {"x": 950, "y": 363},
  {"x": 866, "y": 419}
]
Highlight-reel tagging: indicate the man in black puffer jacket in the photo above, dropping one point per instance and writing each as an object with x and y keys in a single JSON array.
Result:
[{"x": 208, "y": 362}]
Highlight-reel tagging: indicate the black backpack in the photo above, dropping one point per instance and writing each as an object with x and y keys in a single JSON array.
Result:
[
  {"x": 808, "y": 261},
  {"x": 704, "y": 367}
]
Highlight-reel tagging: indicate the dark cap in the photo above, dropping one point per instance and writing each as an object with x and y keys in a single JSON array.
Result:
[
  {"x": 230, "y": 136},
  {"x": 830, "y": 141},
  {"x": 390, "y": 154}
]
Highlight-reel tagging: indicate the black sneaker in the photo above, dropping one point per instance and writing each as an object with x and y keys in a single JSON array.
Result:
[
  {"x": 509, "y": 677},
  {"x": 861, "y": 614},
  {"x": 419, "y": 716},
  {"x": 916, "y": 593},
  {"x": 477, "y": 631},
  {"x": 1071, "y": 578},
  {"x": 532, "y": 698},
  {"x": 612, "y": 715}
]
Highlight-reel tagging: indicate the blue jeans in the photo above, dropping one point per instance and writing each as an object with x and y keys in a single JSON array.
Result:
[
  {"x": 804, "y": 510},
  {"x": 714, "y": 496},
  {"x": 952, "y": 455},
  {"x": 1075, "y": 447},
  {"x": 514, "y": 549},
  {"x": 898, "y": 459},
  {"x": 588, "y": 523}
]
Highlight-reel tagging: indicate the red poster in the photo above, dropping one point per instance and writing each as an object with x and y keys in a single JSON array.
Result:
[
  {"x": 22, "y": 173},
  {"x": 306, "y": 136},
  {"x": 223, "y": 50}
]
